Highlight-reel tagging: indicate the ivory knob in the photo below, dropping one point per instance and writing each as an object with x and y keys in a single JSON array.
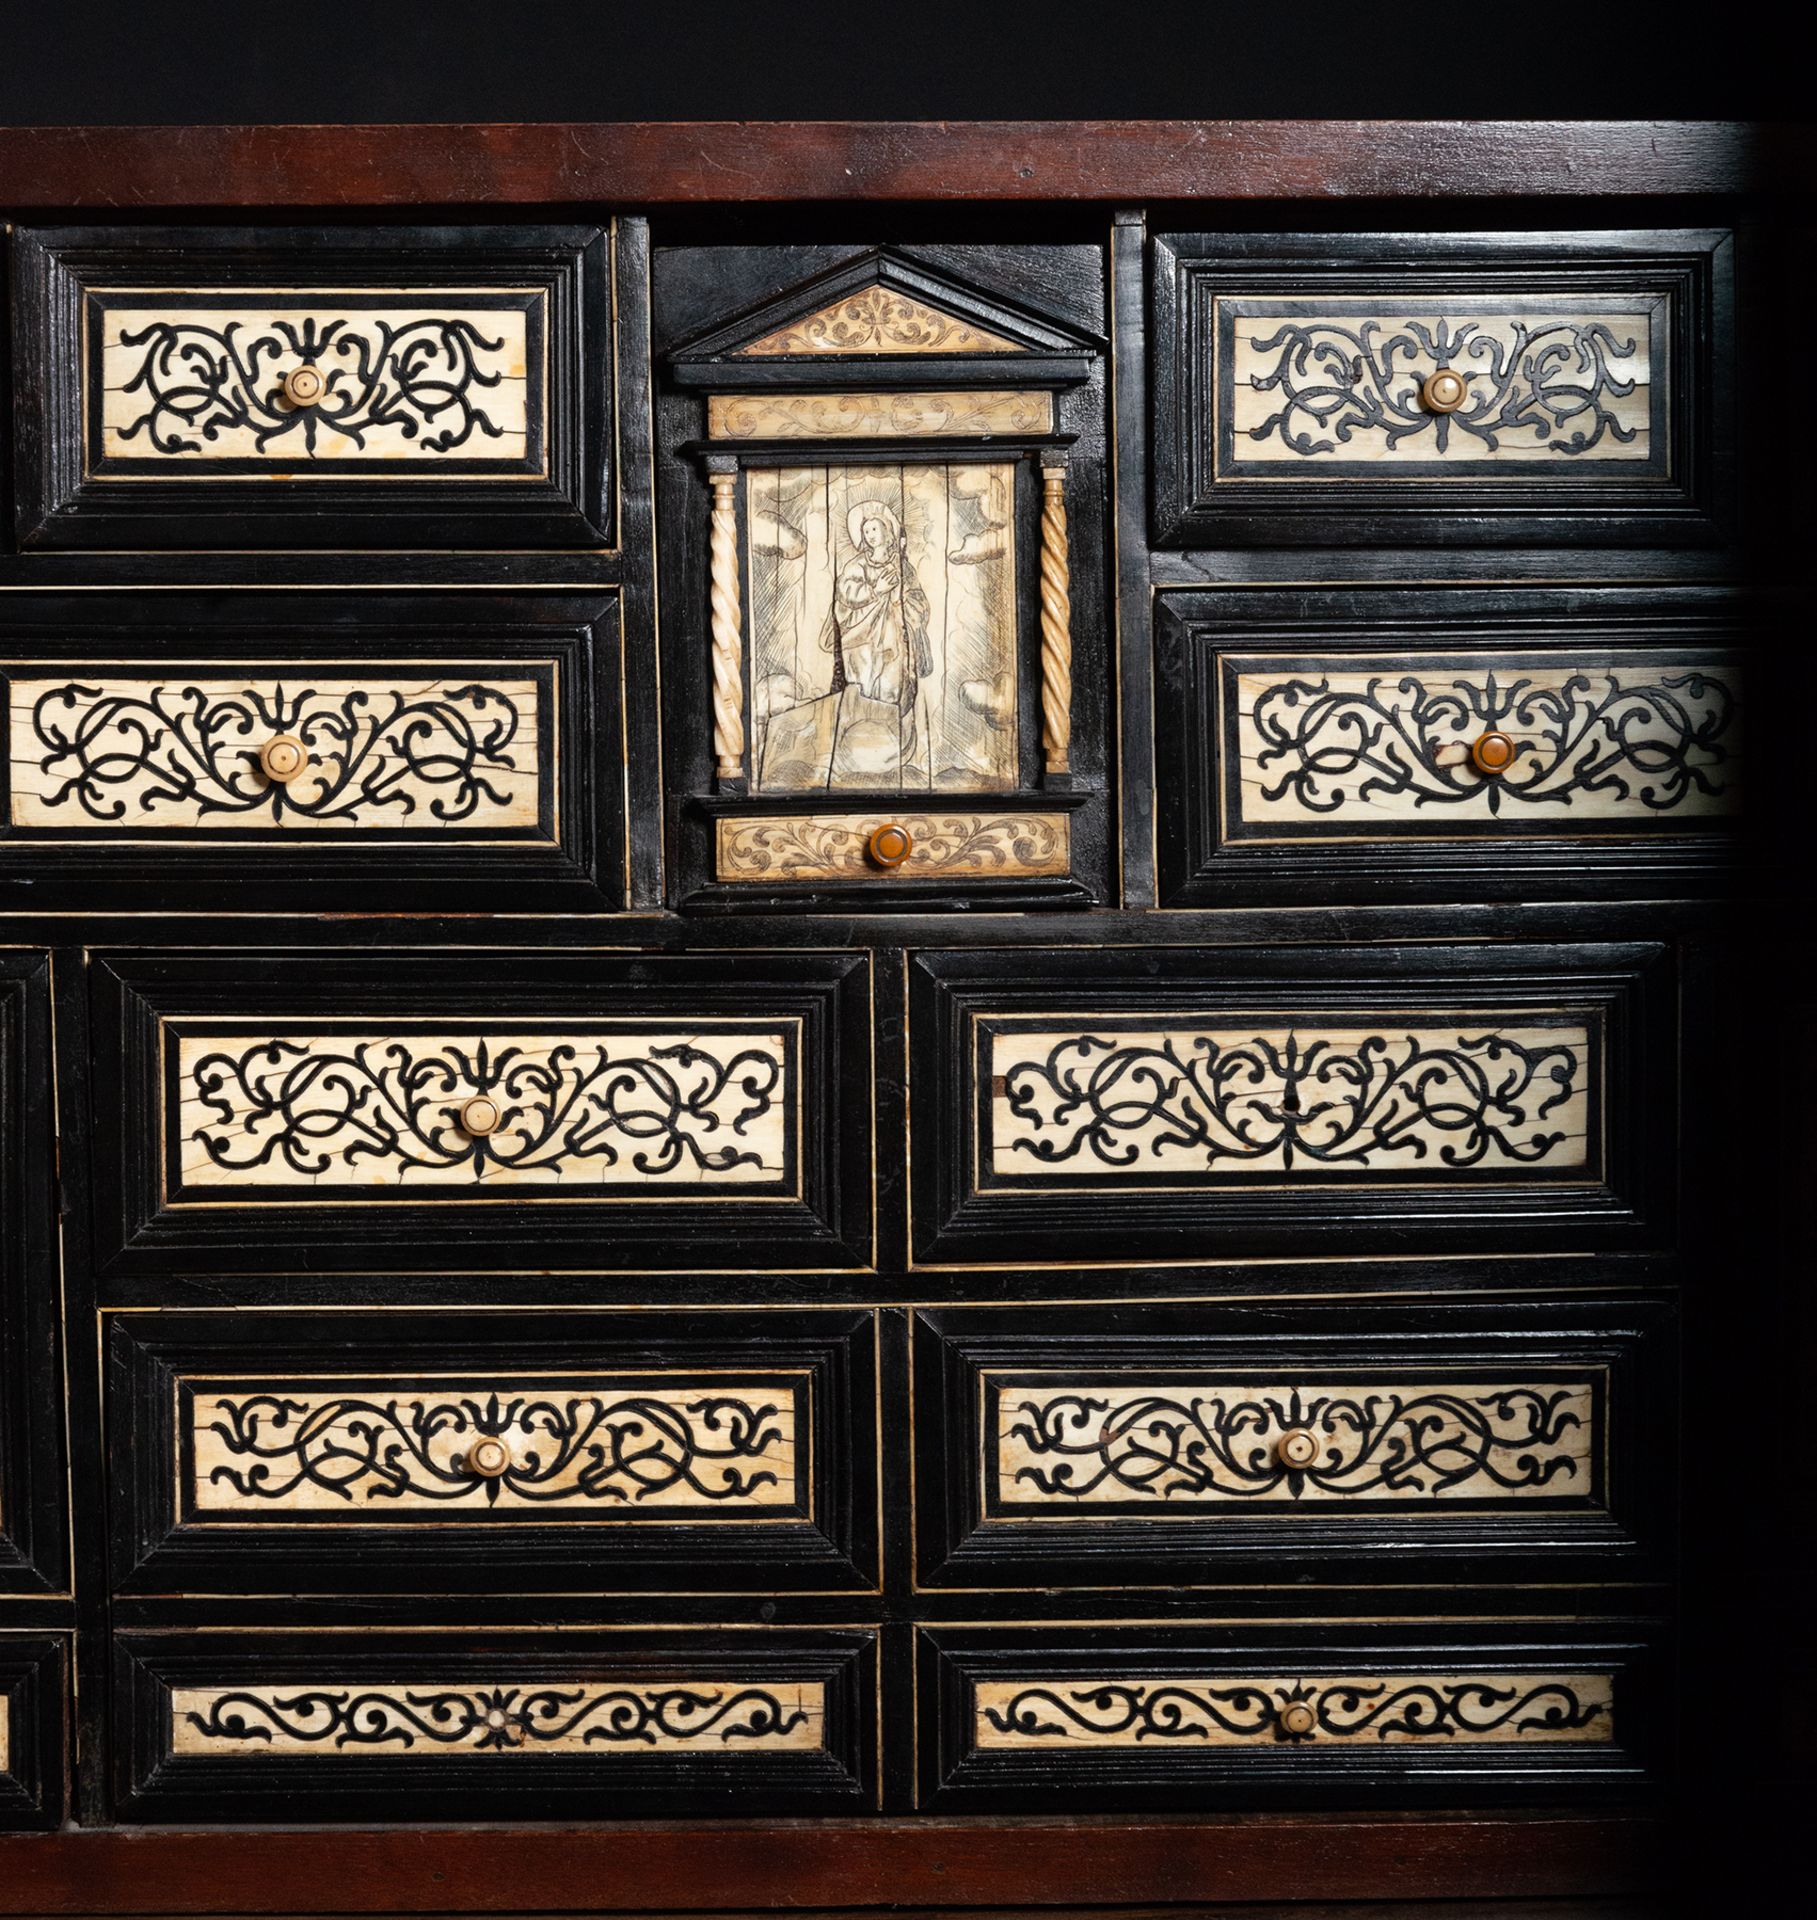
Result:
[
  {"x": 479, "y": 1116},
  {"x": 1297, "y": 1448},
  {"x": 1493, "y": 752},
  {"x": 489, "y": 1458},
  {"x": 1443, "y": 390},
  {"x": 303, "y": 386},
  {"x": 283, "y": 757},
  {"x": 888, "y": 846},
  {"x": 1298, "y": 1719}
]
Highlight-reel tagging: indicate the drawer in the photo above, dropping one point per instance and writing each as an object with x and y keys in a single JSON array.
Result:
[
  {"x": 1439, "y": 742},
  {"x": 1380, "y": 388},
  {"x": 437, "y": 743},
  {"x": 417, "y": 1111},
  {"x": 34, "y": 1708},
  {"x": 1134, "y": 1718},
  {"x": 1194, "y": 1445},
  {"x": 333, "y": 387},
  {"x": 1204, "y": 1104},
  {"x": 492, "y": 1725},
  {"x": 406, "y": 1452}
]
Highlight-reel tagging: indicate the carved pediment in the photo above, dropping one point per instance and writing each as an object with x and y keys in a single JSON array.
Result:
[{"x": 879, "y": 319}]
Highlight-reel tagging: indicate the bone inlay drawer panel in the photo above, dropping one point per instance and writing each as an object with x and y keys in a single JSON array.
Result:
[
  {"x": 636, "y": 1108},
  {"x": 943, "y": 845},
  {"x": 404, "y": 752},
  {"x": 1124, "y": 1102},
  {"x": 1184, "y": 1442},
  {"x": 1503, "y": 1708},
  {"x": 452, "y": 1720}
]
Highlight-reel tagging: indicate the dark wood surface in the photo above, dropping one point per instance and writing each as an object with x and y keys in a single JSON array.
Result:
[{"x": 121, "y": 169}]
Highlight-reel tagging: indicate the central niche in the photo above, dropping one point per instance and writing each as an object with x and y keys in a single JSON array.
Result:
[{"x": 882, "y": 649}]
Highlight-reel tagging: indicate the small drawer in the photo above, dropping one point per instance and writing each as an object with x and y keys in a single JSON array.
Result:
[
  {"x": 1170, "y": 1446},
  {"x": 509, "y": 1109},
  {"x": 334, "y": 387},
  {"x": 1078, "y": 1106},
  {"x": 492, "y": 1725},
  {"x": 1379, "y": 389},
  {"x": 34, "y": 1708},
  {"x": 1128, "y": 1719},
  {"x": 464, "y": 743},
  {"x": 1443, "y": 741},
  {"x": 586, "y": 1451}
]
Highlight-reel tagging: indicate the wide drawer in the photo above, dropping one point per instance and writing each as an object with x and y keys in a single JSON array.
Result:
[
  {"x": 1211, "y": 1443},
  {"x": 416, "y": 1110},
  {"x": 333, "y": 387},
  {"x": 611, "y": 1451},
  {"x": 34, "y": 1710},
  {"x": 1198, "y": 1104},
  {"x": 1299, "y": 1715},
  {"x": 493, "y": 1725},
  {"x": 1383, "y": 388}
]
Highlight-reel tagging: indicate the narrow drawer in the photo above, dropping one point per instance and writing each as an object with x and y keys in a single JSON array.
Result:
[
  {"x": 34, "y": 1708},
  {"x": 223, "y": 1726},
  {"x": 1195, "y": 1445},
  {"x": 332, "y": 387},
  {"x": 1083, "y": 1106},
  {"x": 1136, "y": 1718},
  {"x": 506, "y": 1109},
  {"x": 899, "y": 847},
  {"x": 593, "y": 1451},
  {"x": 1384, "y": 388}
]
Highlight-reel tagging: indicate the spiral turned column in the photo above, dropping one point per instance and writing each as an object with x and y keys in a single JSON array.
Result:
[
  {"x": 728, "y": 629},
  {"x": 1056, "y": 621}
]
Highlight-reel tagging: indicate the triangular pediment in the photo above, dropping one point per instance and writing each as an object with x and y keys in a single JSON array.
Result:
[{"x": 879, "y": 320}]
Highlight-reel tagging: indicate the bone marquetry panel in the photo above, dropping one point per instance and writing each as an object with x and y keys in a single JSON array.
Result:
[
  {"x": 878, "y": 319},
  {"x": 875, "y": 416},
  {"x": 984, "y": 846}
]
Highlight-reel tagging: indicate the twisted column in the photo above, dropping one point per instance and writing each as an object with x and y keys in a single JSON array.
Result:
[
  {"x": 1056, "y": 620},
  {"x": 728, "y": 630}
]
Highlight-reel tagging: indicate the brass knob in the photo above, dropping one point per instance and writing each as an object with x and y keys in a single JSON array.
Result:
[
  {"x": 303, "y": 386},
  {"x": 479, "y": 1116},
  {"x": 1443, "y": 390},
  {"x": 490, "y": 1459},
  {"x": 1298, "y": 1719},
  {"x": 1493, "y": 752},
  {"x": 283, "y": 757},
  {"x": 888, "y": 846},
  {"x": 1297, "y": 1448}
]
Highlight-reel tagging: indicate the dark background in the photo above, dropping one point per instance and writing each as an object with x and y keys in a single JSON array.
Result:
[{"x": 172, "y": 61}]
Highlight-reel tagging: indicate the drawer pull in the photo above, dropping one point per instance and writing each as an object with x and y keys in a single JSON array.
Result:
[
  {"x": 1297, "y": 1720},
  {"x": 282, "y": 758},
  {"x": 488, "y": 1459},
  {"x": 303, "y": 386},
  {"x": 1297, "y": 1448},
  {"x": 1493, "y": 752},
  {"x": 888, "y": 846},
  {"x": 1443, "y": 390},
  {"x": 479, "y": 1116}
]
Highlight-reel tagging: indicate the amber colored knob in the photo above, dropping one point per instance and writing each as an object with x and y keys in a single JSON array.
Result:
[
  {"x": 1443, "y": 390},
  {"x": 283, "y": 757},
  {"x": 889, "y": 846},
  {"x": 1298, "y": 1718},
  {"x": 1493, "y": 752},
  {"x": 303, "y": 386},
  {"x": 479, "y": 1116},
  {"x": 489, "y": 1459},
  {"x": 1296, "y": 1448}
]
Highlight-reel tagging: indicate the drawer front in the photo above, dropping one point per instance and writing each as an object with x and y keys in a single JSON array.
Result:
[
  {"x": 608, "y": 1451},
  {"x": 331, "y": 1726},
  {"x": 464, "y": 742},
  {"x": 33, "y": 1710},
  {"x": 900, "y": 847},
  {"x": 1135, "y": 1718},
  {"x": 1433, "y": 742},
  {"x": 341, "y": 387},
  {"x": 1190, "y": 1445},
  {"x": 1363, "y": 389},
  {"x": 607, "y": 1110},
  {"x": 1072, "y": 1105}
]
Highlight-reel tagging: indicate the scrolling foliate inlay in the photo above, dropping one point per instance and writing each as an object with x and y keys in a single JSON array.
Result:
[
  {"x": 186, "y": 384},
  {"x": 874, "y": 416},
  {"x": 721, "y": 1716},
  {"x": 1399, "y": 1097},
  {"x": 570, "y": 1446},
  {"x": 878, "y": 320},
  {"x": 1005, "y": 846},
  {"x": 183, "y": 752},
  {"x": 1503, "y": 1708},
  {"x": 1386, "y": 740},
  {"x": 1186, "y": 1443},
  {"x": 1342, "y": 386},
  {"x": 628, "y": 1109}
]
